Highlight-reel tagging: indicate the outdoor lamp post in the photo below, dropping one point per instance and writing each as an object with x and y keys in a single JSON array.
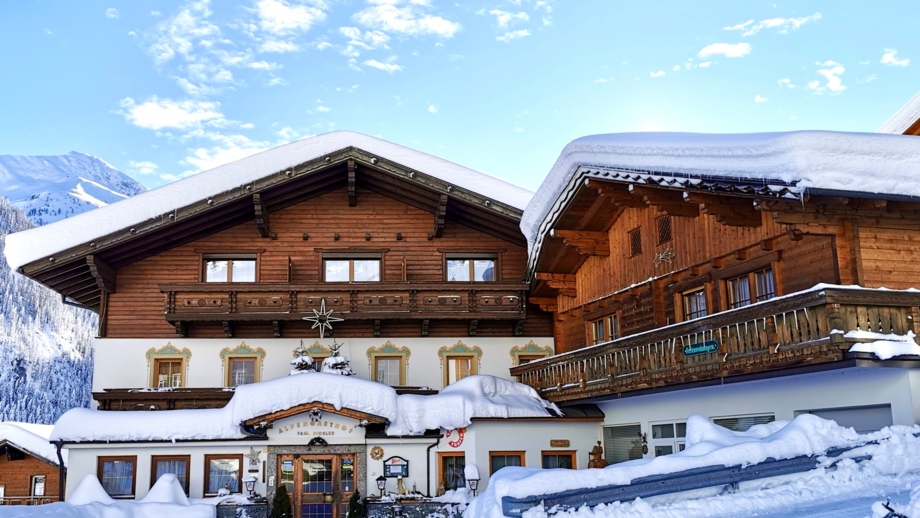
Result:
[
  {"x": 381, "y": 484},
  {"x": 474, "y": 484},
  {"x": 250, "y": 484}
]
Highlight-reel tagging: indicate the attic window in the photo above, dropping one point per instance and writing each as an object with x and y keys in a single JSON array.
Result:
[
  {"x": 230, "y": 268},
  {"x": 664, "y": 229},
  {"x": 635, "y": 242}
]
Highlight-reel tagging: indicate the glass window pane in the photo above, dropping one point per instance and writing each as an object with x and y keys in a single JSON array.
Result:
[
  {"x": 695, "y": 304},
  {"x": 766, "y": 288},
  {"x": 557, "y": 461},
  {"x": 739, "y": 292},
  {"x": 177, "y": 467},
  {"x": 242, "y": 371},
  {"x": 484, "y": 269},
  {"x": 317, "y": 476},
  {"x": 216, "y": 270},
  {"x": 500, "y": 461},
  {"x": 244, "y": 270},
  {"x": 663, "y": 431},
  {"x": 458, "y": 270},
  {"x": 223, "y": 473},
  {"x": 663, "y": 450},
  {"x": 336, "y": 270},
  {"x": 452, "y": 472},
  {"x": 287, "y": 475},
  {"x": 347, "y": 470},
  {"x": 367, "y": 270},
  {"x": 388, "y": 371},
  {"x": 118, "y": 477},
  {"x": 681, "y": 429}
]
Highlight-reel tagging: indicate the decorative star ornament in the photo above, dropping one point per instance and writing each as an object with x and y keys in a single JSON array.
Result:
[{"x": 322, "y": 319}]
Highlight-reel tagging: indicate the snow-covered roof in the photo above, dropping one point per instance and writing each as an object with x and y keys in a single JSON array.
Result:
[
  {"x": 455, "y": 407},
  {"x": 904, "y": 118},
  {"x": 32, "y": 439},
  {"x": 34, "y": 244},
  {"x": 813, "y": 161}
]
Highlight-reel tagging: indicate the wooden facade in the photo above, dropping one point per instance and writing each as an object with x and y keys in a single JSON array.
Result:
[
  {"x": 629, "y": 267},
  {"x": 27, "y": 479}
]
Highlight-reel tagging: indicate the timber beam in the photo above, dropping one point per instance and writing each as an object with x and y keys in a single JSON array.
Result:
[
  {"x": 261, "y": 215},
  {"x": 474, "y": 325},
  {"x": 665, "y": 200},
  {"x": 425, "y": 324},
  {"x": 586, "y": 242},
  {"x": 228, "y": 328},
  {"x": 440, "y": 216},
  {"x": 519, "y": 327},
  {"x": 377, "y": 327},
  {"x": 548, "y": 304},
  {"x": 730, "y": 211},
  {"x": 352, "y": 190},
  {"x": 181, "y": 328},
  {"x": 619, "y": 194},
  {"x": 276, "y": 328}
]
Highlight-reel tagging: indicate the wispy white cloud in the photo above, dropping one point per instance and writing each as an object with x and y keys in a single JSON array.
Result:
[
  {"x": 833, "y": 83},
  {"x": 786, "y": 82},
  {"x": 405, "y": 18},
  {"x": 159, "y": 114},
  {"x": 287, "y": 133},
  {"x": 143, "y": 168},
  {"x": 278, "y": 46},
  {"x": 760, "y": 99},
  {"x": 432, "y": 108},
  {"x": 781, "y": 25},
  {"x": 867, "y": 79},
  {"x": 281, "y": 18},
  {"x": 504, "y": 17},
  {"x": 264, "y": 65},
  {"x": 890, "y": 58},
  {"x": 386, "y": 67},
  {"x": 359, "y": 41},
  {"x": 156, "y": 14},
  {"x": 729, "y": 50},
  {"x": 224, "y": 149},
  {"x": 513, "y": 35},
  {"x": 111, "y": 13},
  {"x": 658, "y": 73}
]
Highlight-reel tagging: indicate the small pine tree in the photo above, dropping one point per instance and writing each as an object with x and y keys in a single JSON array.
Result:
[
  {"x": 337, "y": 363},
  {"x": 356, "y": 508},
  {"x": 281, "y": 504},
  {"x": 302, "y": 362}
]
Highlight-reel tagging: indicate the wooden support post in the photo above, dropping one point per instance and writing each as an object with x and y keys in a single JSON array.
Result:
[
  {"x": 228, "y": 328},
  {"x": 425, "y": 327},
  {"x": 261, "y": 214},
  {"x": 181, "y": 329},
  {"x": 377, "y": 327},
  {"x": 103, "y": 273},
  {"x": 440, "y": 215},
  {"x": 473, "y": 325},
  {"x": 276, "y": 328},
  {"x": 352, "y": 191}
]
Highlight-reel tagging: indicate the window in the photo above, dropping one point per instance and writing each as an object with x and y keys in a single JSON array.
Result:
[
  {"x": 500, "y": 459},
  {"x": 459, "y": 367},
  {"x": 318, "y": 363},
  {"x": 37, "y": 485},
  {"x": 351, "y": 268},
  {"x": 467, "y": 269},
  {"x": 527, "y": 358},
  {"x": 668, "y": 438},
  {"x": 117, "y": 475},
  {"x": 450, "y": 470},
  {"x": 664, "y": 229},
  {"x": 177, "y": 465},
  {"x": 622, "y": 443},
  {"x": 388, "y": 370},
  {"x": 605, "y": 329},
  {"x": 694, "y": 303},
  {"x": 742, "y": 423},
  {"x": 739, "y": 288},
  {"x": 635, "y": 242},
  {"x": 168, "y": 373},
  {"x": 241, "y": 371},
  {"x": 558, "y": 459},
  {"x": 221, "y": 268},
  {"x": 222, "y": 471}
]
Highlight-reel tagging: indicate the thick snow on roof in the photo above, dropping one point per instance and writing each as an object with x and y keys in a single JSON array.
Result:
[
  {"x": 28, "y": 246},
  {"x": 474, "y": 397},
  {"x": 904, "y": 118},
  {"x": 894, "y": 455},
  {"x": 823, "y": 160},
  {"x": 32, "y": 438}
]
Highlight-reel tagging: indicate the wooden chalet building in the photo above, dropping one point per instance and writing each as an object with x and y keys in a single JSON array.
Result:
[
  {"x": 30, "y": 469},
  {"x": 746, "y": 278}
]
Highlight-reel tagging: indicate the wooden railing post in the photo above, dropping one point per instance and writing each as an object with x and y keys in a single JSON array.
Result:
[
  {"x": 914, "y": 324},
  {"x": 835, "y": 321}
]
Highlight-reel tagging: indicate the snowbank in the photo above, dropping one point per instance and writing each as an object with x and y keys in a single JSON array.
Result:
[
  {"x": 884, "y": 346},
  {"x": 811, "y": 160},
  {"x": 33, "y": 438},
  {"x": 474, "y": 397},
  {"x": 31, "y": 245}
]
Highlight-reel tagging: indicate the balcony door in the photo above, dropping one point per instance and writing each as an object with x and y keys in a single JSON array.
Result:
[{"x": 319, "y": 485}]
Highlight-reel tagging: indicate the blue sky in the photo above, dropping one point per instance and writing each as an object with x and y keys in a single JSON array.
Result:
[{"x": 164, "y": 89}]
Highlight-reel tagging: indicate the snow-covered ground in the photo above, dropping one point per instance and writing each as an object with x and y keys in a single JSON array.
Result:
[{"x": 847, "y": 486}]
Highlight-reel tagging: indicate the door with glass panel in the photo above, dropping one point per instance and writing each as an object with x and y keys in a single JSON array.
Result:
[{"x": 320, "y": 485}]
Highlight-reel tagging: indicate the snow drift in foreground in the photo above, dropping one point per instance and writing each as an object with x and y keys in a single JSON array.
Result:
[
  {"x": 895, "y": 460},
  {"x": 479, "y": 396}
]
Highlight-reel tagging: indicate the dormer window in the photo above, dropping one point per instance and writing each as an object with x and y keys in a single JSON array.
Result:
[{"x": 229, "y": 268}]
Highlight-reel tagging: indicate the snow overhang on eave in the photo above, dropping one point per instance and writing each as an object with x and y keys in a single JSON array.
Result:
[{"x": 29, "y": 452}]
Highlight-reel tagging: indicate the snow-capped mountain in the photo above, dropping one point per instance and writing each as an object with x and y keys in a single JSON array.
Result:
[
  {"x": 50, "y": 188},
  {"x": 46, "y": 361}
]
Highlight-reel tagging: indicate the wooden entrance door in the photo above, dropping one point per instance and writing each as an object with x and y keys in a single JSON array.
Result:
[{"x": 320, "y": 485}]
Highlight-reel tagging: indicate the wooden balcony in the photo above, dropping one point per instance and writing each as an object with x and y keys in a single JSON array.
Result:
[
  {"x": 796, "y": 331},
  {"x": 350, "y": 301}
]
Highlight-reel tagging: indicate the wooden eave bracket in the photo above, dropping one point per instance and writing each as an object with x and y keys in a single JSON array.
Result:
[
  {"x": 228, "y": 328},
  {"x": 440, "y": 216},
  {"x": 276, "y": 328},
  {"x": 181, "y": 328},
  {"x": 548, "y": 304},
  {"x": 261, "y": 214},
  {"x": 474, "y": 325},
  {"x": 728, "y": 210},
  {"x": 425, "y": 324},
  {"x": 352, "y": 190},
  {"x": 586, "y": 242},
  {"x": 564, "y": 282},
  {"x": 619, "y": 194},
  {"x": 103, "y": 274},
  {"x": 671, "y": 202}
]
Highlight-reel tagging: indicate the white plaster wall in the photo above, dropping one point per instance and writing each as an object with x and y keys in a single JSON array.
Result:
[
  {"x": 122, "y": 363},
  {"x": 413, "y": 450},
  {"x": 780, "y": 396}
]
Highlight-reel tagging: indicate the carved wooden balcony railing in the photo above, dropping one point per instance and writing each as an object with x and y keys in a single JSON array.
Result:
[
  {"x": 806, "y": 328},
  {"x": 350, "y": 301}
]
